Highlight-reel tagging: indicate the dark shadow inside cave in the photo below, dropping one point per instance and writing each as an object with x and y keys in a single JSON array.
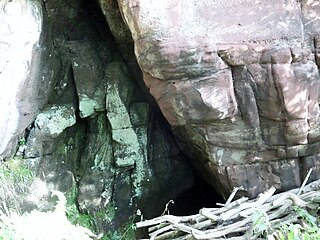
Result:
[
  {"x": 192, "y": 200},
  {"x": 200, "y": 195}
]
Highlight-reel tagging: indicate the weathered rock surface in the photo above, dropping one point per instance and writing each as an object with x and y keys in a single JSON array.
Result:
[
  {"x": 25, "y": 76},
  {"x": 53, "y": 121},
  {"x": 239, "y": 83},
  {"x": 87, "y": 125}
]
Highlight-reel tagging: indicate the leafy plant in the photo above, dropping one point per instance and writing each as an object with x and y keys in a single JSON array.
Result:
[
  {"x": 305, "y": 215},
  {"x": 307, "y": 230},
  {"x": 261, "y": 224},
  {"x": 74, "y": 215},
  {"x": 297, "y": 232}
]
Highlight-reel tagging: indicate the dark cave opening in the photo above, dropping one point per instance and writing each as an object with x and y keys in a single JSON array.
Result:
[{"x": 200, "y": 195}]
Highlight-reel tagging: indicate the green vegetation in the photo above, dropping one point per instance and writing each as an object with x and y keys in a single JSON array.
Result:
[
  {"x": 73, "y": 213},
  {"x": 297, "y": 232},
  {"x": 42, "y": 225},
  {"x": 261, "y": 224},
  {"x": 126, "y": 233},
  {"x": 129, "y": 232},
  {"x": 64, "y": 221},
  {"x": 15, "y": 179},
  {"x": 107, "y": 214},
  {"x": 22, "y": 141},
  {"x": 307, "y": 229}
]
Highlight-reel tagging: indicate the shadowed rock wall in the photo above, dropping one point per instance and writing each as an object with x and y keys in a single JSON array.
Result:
[{"x": 71, "y": 95}]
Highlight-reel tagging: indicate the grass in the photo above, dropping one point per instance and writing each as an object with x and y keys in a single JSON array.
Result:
[
  {"x": 126, "y": 233},
  {"x": 74, "y": 215},
  {"x": 64, "y": 221},
  {"x": 15, "y": 179},
  {"x": 36, "y": 225}
]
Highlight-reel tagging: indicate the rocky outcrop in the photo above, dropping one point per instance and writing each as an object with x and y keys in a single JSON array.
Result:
[
  {"x": 84, "y": 125},
  {"x": 238, "y": 81},
  {"x": 25, "y": 88}
]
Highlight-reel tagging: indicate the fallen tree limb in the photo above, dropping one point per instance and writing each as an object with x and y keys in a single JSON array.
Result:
[{"x": 236, "y": 220}]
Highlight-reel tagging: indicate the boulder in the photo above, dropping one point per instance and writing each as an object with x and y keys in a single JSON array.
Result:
[{"x": 238, "y": 81}]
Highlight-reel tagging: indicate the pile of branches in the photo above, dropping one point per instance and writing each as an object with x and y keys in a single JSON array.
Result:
[{"x": 236, "y": 219}]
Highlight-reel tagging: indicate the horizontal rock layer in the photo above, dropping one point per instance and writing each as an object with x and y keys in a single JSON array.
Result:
[{"x": 238, "y": 81}]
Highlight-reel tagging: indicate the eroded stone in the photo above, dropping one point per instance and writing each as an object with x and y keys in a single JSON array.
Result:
[
  {"x": 237, "y": 81},
  {"x": 55, "y": 120}
]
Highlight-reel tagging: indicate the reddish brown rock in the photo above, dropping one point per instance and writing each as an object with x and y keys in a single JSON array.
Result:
[{"x": 239, "y": 83}]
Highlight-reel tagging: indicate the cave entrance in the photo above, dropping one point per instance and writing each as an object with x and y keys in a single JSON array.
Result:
[
  {"x": 192, "y": 200},
  {"x": 200, "y": 195}
]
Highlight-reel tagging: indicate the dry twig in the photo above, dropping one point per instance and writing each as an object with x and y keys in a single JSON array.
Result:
[{"x": 235, "y": 219}]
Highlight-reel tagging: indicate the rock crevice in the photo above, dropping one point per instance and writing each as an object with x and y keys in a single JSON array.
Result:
[{"x": 88, "y": 127}]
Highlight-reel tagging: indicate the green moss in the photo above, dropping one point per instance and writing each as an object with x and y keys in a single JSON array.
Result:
[
  {"x": 107, "y": 213},
  {"x": 62, "y": 149},
  {"x": 73, "y": 213}
]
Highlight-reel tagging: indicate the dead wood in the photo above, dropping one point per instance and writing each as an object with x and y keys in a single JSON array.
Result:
[{"x": 235, "y": 220}]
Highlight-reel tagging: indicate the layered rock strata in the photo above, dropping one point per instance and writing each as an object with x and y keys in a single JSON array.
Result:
[{"x": 238, "y": 81}]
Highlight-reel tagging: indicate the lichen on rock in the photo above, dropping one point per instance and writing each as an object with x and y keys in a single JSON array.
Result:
[{"x": 55, "y": 119}]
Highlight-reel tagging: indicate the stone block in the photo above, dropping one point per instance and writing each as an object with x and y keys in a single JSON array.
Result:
[
  {"x": 54, "y": 120},
  {"x": 256, "y": 119}
]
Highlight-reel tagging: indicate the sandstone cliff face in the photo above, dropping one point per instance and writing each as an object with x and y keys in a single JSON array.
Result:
[
  {"x": 238, "y": 81},
  {"x": 70, "y": 94}
]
